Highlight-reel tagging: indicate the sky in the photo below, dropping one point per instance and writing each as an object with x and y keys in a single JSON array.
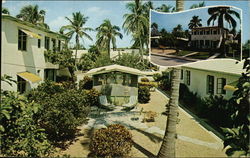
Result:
[
  {"x": 97, "y": 11},
  {"x": 169, "y": 21}
]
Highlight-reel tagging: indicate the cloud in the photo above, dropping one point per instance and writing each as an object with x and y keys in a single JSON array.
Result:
[
  {"x": 3, "y": 1},
  {"x": 57, "y": 23},
  {"x": 97, "y": 11}
]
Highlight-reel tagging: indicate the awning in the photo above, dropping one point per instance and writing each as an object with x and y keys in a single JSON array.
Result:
[
  {"x": 31, "y": 34},
  {"x": 29, "y": 77},
  {"x": 231, "y": 86}
]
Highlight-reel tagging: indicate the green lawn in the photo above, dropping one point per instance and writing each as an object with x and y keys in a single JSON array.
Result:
[
  {"x": 201, "y": 55},
  {"x": 183, "y": 52}
]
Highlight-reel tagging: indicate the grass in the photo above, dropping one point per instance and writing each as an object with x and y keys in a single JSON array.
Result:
[
  {"x": 183, "y": 52},
  {"x": 201, "y": 55}
]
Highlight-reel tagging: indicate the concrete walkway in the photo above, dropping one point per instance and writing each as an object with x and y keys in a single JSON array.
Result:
[{"x": 192, "y": 139}]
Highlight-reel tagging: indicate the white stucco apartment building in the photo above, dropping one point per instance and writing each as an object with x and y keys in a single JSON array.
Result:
[
  {"x": 212, "y": 76},
  {"x": 209, "y": 37},
  {"x": 22, "y": 54}
]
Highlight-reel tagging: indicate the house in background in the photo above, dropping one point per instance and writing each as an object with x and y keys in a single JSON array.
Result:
[
  {"x": 212, "y": 77},
  {"x": 116, "y": 82},
  {"x": 209, "y": 37},
  {"x": 22, "y": 54}
]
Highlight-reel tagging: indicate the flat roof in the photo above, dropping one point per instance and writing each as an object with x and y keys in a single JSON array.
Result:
[
  {"x": 112, "y": 68},
  {"x": 207, "y": 27},
  {"x": 5, "y": 16},
  {"x": 222, "y": 65}
]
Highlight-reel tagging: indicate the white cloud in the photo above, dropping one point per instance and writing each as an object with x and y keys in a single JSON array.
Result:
[
  {"x": 97, "y": 11},
  {"x": 57, "y": 23},
  {"x": 3, "y": 1}
]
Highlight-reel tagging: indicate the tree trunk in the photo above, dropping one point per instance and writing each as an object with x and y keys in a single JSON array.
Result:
[
  {"x": 168, "y": 145},
  {"x": 179, "y": 5},
  {"x": 77, "y": 43},
  {"x": 109, "y": 47}
]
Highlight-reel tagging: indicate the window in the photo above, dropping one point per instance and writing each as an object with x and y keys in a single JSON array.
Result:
[
  {"x": 188, "y": 77},
  {"x": 201, "y": 32},
  {"x": 207, "y": 43},
  {"x": 46, "y": 43},
  {"x": 22, "y": 40},
  {"x": 53, "y": 44},
  {"x": 210, "y": 84},
  {"x": 21, "y": 85},
  {"x": 49, "y": 74},
  {"x": 39, "y": 43},
  {"x": 221, "y": 82},
  {"x": 208, "y": 32},
  {"x": 59, "y": 45},
  {"x": 215, "y": 32},
  {"x": 181, "y": 74}
]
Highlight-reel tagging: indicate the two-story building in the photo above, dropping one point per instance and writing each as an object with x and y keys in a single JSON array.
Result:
[
  {"x": 212, "y": 77},
  {"x": 22, "y": 54},
  {"x": 209, "y": 37}
]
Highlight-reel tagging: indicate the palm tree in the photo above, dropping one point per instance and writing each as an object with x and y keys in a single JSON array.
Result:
[
  {"x": 202, "y": 4},
  {"x": 107, "y": 34},
  {"x": 5, "y": 11},
  {"x": 76, "y": 27},
  {"x": 168, "y": 145},
  {"x": 33, "y": 15},
  {"x": 136, "y": 22},
  {"x": 195, "y": 22},
  {"x": 223, "y": 13},
  {"x": 165, "y": 8}
]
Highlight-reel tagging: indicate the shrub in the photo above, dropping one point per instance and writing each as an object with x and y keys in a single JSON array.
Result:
[
  {"x": 62, "y": 113},
  {"x": 144, "y": 79},
  {"x": 63, "y": 108},
  {"x": 143, "y": 94},
  {"x": 92, "y": 97},
  {"x": 86, "y": 83},
  {"x": 20, "y": 134},
  {"x": 113, "y": 141}
]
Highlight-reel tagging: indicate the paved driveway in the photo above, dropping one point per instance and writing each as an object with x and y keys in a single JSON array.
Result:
[{"x": 166, "y": 61}]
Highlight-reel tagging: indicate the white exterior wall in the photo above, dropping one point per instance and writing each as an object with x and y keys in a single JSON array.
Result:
[
  {"x": 198, "y": 81},
  {"x": 14, "y": 61}
]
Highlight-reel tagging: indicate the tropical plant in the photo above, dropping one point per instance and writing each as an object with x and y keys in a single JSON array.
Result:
[
  {"x": 86, "y": 62},
  {"x": 143, "y": 94},
  {"x": 113, "y": 141},
  {"x": 76, "y": 27},
  {"x": 237, "y": 138},
  {"x": 168, "y": 145},
  {"x": 165, "y": 8},
  {"x": 62, "y": 110},
  {"x": 195, "y": 22},
  {"x": 223, "y": 14},
  {"x": 137, "y": 23},
  {"x": 5, "y": 11},
  {"x": 63, "y": 58},
  {"x": 20, "y": 134},
  {"x": 86, "y": 83},
  {"x": 106, "y": 34},
  {"x": 201, "y": 4},
  {"x": 33, "y": 15}
]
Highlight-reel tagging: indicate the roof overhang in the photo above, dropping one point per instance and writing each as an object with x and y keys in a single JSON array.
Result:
[
  {"x": 29, "y": 77},
  {"x": 31, "y": 34},
  {"x": 114, "y": 68}
]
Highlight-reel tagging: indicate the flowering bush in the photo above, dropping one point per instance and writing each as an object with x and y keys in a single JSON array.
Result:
[{"x": 113, "y": 141}]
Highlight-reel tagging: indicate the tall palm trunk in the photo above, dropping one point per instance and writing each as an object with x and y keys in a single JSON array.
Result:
[
  {"x": 77, "y": 44},
  {"x": 168, "y": 145},
  {"x": 179, "y": 5}
]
